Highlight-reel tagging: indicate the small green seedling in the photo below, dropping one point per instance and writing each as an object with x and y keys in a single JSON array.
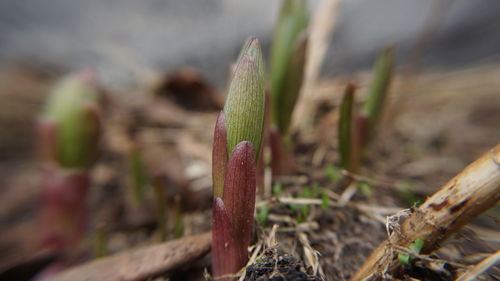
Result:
[
  {"x": 325, "y": 202},
  {"x": 304, "y": 210},
  {"x": 262, "y": 215},
  {"x": 415, "y": 247},
  {"x": 366, "y": 189},
  {"x": 277, "y": 189},
  {"x": 68, "y": 137},
  {"x": 333, "y": 173}
]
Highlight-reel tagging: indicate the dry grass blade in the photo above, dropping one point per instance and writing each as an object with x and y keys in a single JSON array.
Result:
[
  {"x": 311, "y": 255},
  {"x": 481, "y": 267},
  {"x": 471, "y": 192}
]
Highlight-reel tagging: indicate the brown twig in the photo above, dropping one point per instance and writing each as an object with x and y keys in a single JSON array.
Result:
[
  {"x": 468, "y": 194},
  {"x": 141, "y": 264}
]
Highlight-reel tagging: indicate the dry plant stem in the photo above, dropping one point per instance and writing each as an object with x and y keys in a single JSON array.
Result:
[{"x": 471, "y": 192}]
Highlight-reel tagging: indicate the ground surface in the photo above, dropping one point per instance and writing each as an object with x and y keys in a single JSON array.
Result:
[{"x": 435, "y": 124}]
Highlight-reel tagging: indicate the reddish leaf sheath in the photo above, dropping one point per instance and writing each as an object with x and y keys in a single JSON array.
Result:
[
  {"x": 239, "y": 192},
  {"x": 227, "y": 257},
  {"x": 219, "y": 156},
  {"x": 63, "y": 207}
]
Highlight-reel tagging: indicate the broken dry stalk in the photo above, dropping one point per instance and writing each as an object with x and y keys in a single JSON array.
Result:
[
  {"x": 468, "y": 194},
  {"x": 237, "y": 140},
  {"x": 68, "y": 133}
]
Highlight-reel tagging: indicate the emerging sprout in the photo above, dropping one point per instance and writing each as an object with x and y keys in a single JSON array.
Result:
[
  {"x": 415, "y": 247},
  {"x": 237, "y": 140},
  {"x": 288, "y": 61},
  {"x": 355, "y": 130},
  {"x": 71, "y": 116},
  {"x": 68, "y": 140}
]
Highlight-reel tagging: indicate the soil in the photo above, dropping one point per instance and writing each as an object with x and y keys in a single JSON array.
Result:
[
  {"x": 434, "y": 125},
  {"x": 275, "y": 265}
]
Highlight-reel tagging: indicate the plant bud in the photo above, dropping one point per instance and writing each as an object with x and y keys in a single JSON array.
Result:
[
  {"x": 244, "y": 108},
  {"x": 73, "y": 112}
]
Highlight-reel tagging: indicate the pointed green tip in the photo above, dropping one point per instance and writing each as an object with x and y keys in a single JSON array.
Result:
[
  {"x": 244, "y": 108},
  {"x": 252, "y": 48}
]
